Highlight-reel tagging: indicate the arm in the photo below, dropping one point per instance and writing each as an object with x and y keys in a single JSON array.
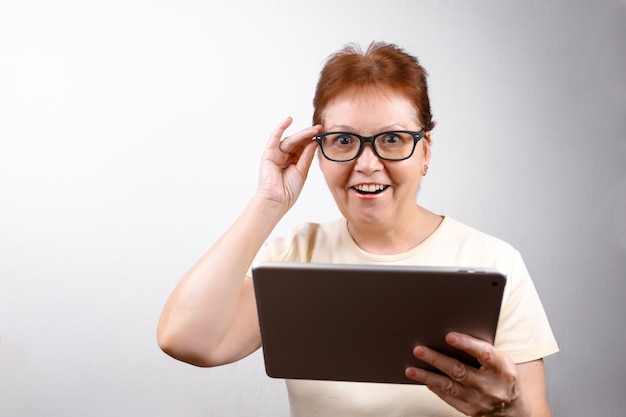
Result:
[
  {"x": 210, "y": 317},
  {"x": 533, "y": 381},
  {"x": 498, "y": 388}
]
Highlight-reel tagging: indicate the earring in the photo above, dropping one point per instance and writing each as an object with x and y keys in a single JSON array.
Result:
[{"x": 424, "y": 170}]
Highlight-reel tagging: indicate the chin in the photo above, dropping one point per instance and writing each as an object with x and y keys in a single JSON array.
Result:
[{"x": 370, "y": 220}]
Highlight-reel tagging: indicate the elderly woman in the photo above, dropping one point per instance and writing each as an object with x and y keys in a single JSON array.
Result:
[{"x": 372, "y": 124}]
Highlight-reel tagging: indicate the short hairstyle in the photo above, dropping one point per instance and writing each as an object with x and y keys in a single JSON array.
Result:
[{"x": 384, "y": 66}]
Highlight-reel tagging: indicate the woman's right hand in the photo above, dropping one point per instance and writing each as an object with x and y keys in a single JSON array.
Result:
[{"x": 285, "y": 164}]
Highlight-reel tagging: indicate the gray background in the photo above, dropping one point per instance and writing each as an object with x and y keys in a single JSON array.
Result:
[{"x": 130, "y": 134}]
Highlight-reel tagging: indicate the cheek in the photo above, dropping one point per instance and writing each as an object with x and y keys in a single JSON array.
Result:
[
  {"x": 408, "y": 173},
  {"x": 335, "y": 174}
]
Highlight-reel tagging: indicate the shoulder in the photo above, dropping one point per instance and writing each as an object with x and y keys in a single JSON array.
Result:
[
  {"x": 311, "y": 233},
  {"x": 455, "y": 243},
  {"x": 461, "y": 234},
  {"x": 302, "y": 241}
]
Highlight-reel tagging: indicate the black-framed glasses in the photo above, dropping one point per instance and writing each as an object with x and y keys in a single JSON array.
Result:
[{"x": 394, "y": 145}]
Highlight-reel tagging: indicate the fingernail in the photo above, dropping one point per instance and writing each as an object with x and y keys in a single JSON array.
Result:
[{"x": 410, "y": 372}]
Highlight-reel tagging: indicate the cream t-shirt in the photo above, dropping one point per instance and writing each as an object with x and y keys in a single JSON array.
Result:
[{"x": 523, "y": 333}]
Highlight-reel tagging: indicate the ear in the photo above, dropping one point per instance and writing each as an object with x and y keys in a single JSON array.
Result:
[{"x": 426, "y": 145}]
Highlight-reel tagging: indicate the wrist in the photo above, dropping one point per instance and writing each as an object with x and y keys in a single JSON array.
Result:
[{"x": 270, "y": 211}]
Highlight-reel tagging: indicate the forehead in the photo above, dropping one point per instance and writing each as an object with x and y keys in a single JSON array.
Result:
[{"x": 370, "y": 109}]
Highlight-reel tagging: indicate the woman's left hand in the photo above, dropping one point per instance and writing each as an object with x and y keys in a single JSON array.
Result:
[{"x": 492, "y": 390}]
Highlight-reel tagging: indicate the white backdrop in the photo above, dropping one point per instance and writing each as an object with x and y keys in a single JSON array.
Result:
[{"x": 130, "y": 133}]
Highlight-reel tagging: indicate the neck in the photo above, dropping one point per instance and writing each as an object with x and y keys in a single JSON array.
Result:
[{"x": 409, "y": 233}]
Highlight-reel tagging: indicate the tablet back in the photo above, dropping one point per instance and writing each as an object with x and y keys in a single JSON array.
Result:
[{"x": 361, "y": 322}]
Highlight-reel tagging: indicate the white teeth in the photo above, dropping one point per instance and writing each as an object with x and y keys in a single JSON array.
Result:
[{"x": 369, "y": 188}]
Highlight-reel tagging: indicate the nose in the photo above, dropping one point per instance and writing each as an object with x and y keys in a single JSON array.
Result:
[{"x": 368, "y": 161}]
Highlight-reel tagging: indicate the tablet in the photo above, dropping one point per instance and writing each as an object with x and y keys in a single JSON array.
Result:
[{"x": 361, "y": 322}]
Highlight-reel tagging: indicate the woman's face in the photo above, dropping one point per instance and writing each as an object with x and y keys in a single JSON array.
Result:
[{"x": 371, "y": 192}]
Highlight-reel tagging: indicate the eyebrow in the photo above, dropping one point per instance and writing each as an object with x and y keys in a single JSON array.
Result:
[{"x": 386, "y": 128}]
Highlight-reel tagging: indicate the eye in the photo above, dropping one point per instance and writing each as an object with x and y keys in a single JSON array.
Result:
[
  {"x": 343, "y": 139},
  {"x": 391, "y": 138}
]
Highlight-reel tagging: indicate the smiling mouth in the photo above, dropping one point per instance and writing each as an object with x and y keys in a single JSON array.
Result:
[{"x": 370, "y": 188}]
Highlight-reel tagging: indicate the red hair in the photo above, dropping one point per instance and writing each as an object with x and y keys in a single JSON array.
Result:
[{"x": 382, "y": 66}]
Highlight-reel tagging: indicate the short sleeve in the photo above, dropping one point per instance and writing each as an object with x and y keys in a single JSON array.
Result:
[{"x": 524, "y": 333}]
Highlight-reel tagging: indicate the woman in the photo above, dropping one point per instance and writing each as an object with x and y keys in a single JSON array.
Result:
[{"x": 378, "y": 103}]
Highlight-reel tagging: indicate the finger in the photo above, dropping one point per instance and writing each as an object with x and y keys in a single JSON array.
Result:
[
  {"x": 425, "y": 377},
  {"x": 300, "y": 139},
  {"x": 278, "y": 131},
  {"x": 486, "y": 354},
  {"x": 452, "y": 391},
  {"x": 445, "y": 388},
  {"x": 305, "y": 160},
  {"x": 454, "y": 368}
]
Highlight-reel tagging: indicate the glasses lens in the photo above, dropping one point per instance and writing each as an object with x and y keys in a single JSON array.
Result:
[
  {"x": 394, "y": 145},
  {"x": 340, "y": 146}
]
